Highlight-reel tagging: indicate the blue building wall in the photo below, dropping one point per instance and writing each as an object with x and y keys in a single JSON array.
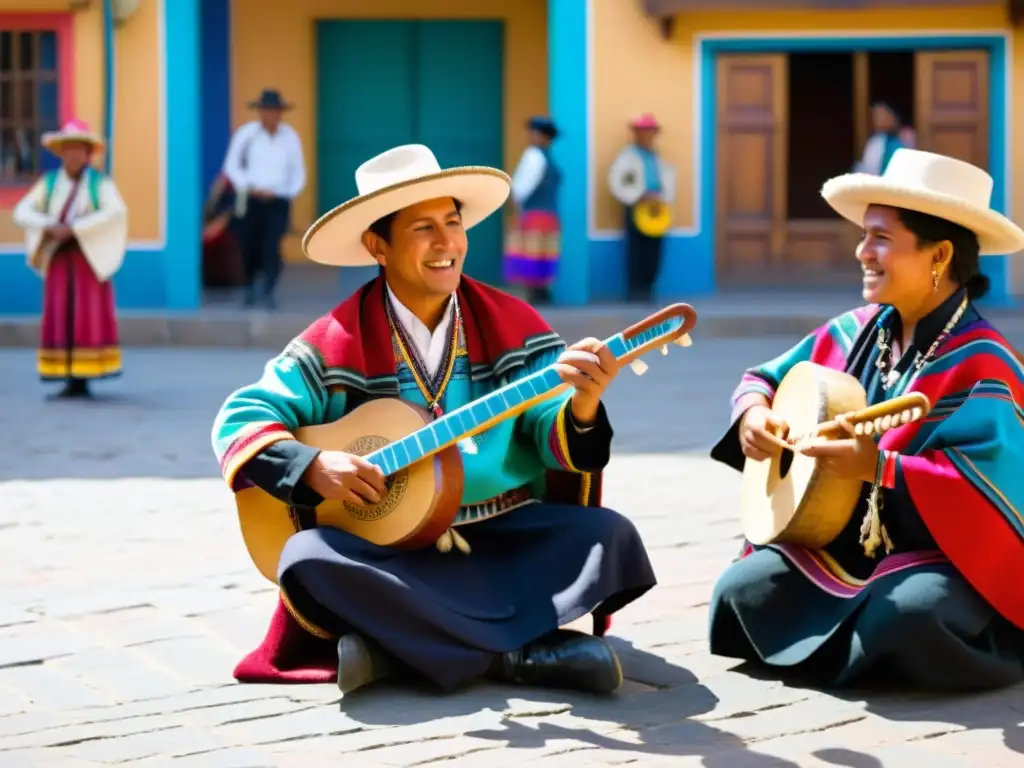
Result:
[{"x": 166, "y": 277}]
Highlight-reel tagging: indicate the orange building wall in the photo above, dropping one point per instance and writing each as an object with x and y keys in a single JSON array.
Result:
[
  {"x": 137, "y": 148},
  {"x": 292, "y": 69}
]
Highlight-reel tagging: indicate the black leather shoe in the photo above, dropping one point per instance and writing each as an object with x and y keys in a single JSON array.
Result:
[
  {"x": 565, "y": 659},
  {"x": 360, "y": 663}
]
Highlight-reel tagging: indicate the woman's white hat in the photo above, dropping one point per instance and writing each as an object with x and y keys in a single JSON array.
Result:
[
  {"x": 934, "y": 184},
  {"x": 394, "y": 180},
  {"x": 72, "y": 130}
]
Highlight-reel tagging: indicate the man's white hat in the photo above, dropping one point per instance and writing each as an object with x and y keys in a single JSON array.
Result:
[
  {"x": 934, "y": 184},
  {"x": 394, "y": 180}
]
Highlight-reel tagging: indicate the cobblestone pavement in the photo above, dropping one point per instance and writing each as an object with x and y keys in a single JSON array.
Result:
[{"x": 127, "y": 598}]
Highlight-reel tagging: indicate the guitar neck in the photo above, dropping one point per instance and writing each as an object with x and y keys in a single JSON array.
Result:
[
  {"x": 501, "y": 404},
  {"x": 900, "y": 410}
]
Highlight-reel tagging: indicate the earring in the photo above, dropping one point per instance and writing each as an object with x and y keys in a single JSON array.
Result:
[{"x": 935, "y": 277}]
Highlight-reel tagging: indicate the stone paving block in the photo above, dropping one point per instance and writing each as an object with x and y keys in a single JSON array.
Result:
[
  {"x": 307, "y": 722},
  {"x": 737, "y": 695},
  {"x": 85, "y": 729},
  {"x": 982, "y": 745},
  {"x": 241, "y": 627},
  {"x": 38, "y": 645},
  {"x": 164, "y": 743},
  {"x": 33, "y": 721},
  {"x": 196, "y": 600},
  {"x": 684, "y": 627},
  {"x": 436, "y": 751},
  {"x": 252, "y": 712},
  {"x": 135, "y": 627},
  {"x": 814, "y": 714},
  {"x": 10, "y": 617},
  {"x": 50, "y": 688},
  {"x": 201, "y": 660},
  {"x": 124, "y": 673},
  {"x": 232, "y": 757},
  {"x": 65, "y": 606}
]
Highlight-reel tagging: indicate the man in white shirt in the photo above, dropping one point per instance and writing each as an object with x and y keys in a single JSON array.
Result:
[{"x": 266, "y": 167}]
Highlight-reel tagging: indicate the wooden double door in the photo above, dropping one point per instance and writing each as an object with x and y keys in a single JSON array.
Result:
[{"x": 758, "y": 240}]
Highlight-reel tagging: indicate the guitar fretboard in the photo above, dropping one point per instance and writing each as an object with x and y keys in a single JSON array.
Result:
[{"x": 494, "y": 407}]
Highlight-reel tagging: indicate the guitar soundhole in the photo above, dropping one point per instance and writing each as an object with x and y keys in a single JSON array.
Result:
[
  {"x": 785, "y": 464},
  {"x": 396, "y": 484}
]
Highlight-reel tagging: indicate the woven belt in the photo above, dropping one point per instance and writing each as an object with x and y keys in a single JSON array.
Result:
[{"x": 498, "y": 505}]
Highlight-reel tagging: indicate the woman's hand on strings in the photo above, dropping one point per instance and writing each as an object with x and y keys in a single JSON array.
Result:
[
  {"x": 855, "y": 456},
  {"x": 762, "y": 433}
]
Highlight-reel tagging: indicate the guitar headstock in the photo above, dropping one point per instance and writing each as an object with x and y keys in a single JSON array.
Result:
[{"x": 669, "y": 325}]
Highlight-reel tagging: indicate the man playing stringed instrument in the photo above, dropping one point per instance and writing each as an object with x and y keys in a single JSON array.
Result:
[
  {"x": 531, "y": 549},
  {"x": 923, "y": 583}
]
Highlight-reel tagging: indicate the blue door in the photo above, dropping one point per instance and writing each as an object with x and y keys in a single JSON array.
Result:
[{"x": 384, "y": 83}]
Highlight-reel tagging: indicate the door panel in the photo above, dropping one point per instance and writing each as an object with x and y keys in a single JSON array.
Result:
[
  {"x": 385, "y": 83},
  {"x": 460, "y": 114},
  {"x": 953, "y": 104},
  {"x": 360, "y": 116},
  {"x": 751, "y": 165}
]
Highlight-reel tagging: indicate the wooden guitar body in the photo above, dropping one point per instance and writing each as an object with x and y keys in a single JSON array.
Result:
[
  {"x": 422, "y": 500},
  {"x": 789, "y": 498}
]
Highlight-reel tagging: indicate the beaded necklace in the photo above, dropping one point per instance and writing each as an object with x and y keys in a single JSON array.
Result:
[{"x": 884, "y": 343}]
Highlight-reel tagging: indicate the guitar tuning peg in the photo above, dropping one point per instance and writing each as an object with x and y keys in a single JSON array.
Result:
[
  {"x": 639, "y": 367},
  {"x": 858, "y": 428},
  {"x": 664, "y": 349},
  {"x": 869, "y": 427},
  {"x": 684, "y": 340},
  {"x": 886, "y": 422},
  {"x": 877, "y": 424},
  {"x": 916, "y": 414}
]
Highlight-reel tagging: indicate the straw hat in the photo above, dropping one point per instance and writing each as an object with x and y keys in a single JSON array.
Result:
[
  {"x": 934, "y": 184},
  {"x": 394, "y": 180},
  {"x": 646, "y": 122},
  {"x": 72, "y": 130}
]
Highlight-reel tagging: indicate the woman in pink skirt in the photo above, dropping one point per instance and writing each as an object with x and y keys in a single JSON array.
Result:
[
  {"x": 76, "y": 233},
  {"x": 534, "y": 243}
]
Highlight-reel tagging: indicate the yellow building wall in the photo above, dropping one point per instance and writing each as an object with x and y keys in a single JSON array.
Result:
[
  {"x": 138, "y": 107},
  {"x": 635, "y": 71},
  {"x": 292, "y": 67}
]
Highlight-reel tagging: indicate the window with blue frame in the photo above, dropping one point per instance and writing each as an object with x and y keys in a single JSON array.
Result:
[{"x": 28, "y": 103}]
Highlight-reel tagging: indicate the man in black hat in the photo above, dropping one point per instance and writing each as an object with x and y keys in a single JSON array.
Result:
[{"x": 266, "y": 167}]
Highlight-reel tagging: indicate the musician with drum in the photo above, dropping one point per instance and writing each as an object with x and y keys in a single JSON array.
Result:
[
  {"x": 645, "y": 185},
  {"x": 530, "y": 550},
  {"x": 888, "y": 542}
]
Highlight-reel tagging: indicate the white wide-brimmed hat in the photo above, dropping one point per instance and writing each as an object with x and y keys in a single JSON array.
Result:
[
  {"x": 72, "y": 130},
  {"x": 394, "y": 180},
  {"x": 934, "y": 184}
]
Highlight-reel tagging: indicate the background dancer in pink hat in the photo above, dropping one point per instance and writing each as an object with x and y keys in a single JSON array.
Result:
[{"x": 76, "y": 234}]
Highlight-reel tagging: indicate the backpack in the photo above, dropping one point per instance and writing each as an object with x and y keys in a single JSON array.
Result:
[{"x": 95, "y": 178}]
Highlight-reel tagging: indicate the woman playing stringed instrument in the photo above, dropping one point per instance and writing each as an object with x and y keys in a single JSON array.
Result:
[{"x": 923, "y": 583}]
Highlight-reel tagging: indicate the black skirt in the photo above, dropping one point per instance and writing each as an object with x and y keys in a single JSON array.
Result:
[{"x": 446, "y": 615}]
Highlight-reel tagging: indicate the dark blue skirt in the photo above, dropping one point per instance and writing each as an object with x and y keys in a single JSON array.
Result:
[
  {"x": 924, "y": 625},
  {"x": 446, "y": 615}
]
